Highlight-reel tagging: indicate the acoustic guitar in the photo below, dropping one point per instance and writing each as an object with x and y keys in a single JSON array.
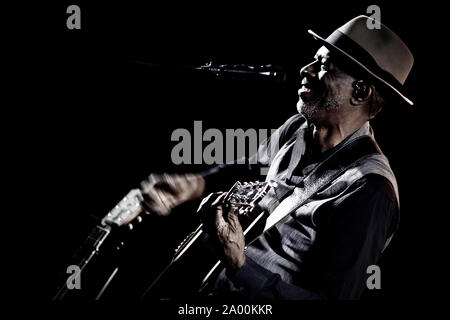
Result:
[{"x": 194, "y": 253}]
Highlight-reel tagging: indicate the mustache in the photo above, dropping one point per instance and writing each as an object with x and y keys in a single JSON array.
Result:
[{"x": 311, "y": 83}]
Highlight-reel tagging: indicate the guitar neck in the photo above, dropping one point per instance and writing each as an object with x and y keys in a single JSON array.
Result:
[
  {"x": 91, "y": 245},
  {"x": 88, "y": 249}
]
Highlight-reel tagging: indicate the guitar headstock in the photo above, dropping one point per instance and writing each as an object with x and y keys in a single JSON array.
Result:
[{"x": 126, "y": 210}]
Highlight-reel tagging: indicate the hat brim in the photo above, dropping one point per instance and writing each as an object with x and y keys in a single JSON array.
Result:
[{"x": 381, "y": 80}]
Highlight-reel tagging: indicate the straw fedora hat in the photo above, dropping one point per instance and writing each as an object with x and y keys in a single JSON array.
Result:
[{"x": 379, "y": 52}]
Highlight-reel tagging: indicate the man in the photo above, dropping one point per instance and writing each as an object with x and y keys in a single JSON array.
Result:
[{"x": 323, "y": 248}]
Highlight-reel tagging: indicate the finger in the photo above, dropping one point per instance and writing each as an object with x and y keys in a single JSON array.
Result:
[
  {"x": 152, "y": 194},
  {"x": 185, "y": 185},
  {"x": 151, "y": 206},
  {"x": 233, "y": 220},
  {"x": 145, "y": 186},
  {"x": 207, "y": 201},
  {"x": 157, "y": 209},
  {"x": 148, "y": 186},
  {"x": 154, "y": 178},
  {"x": 218, "y": 200},
  {"x": 220, "y": 221},
  {"x": 170, "y": 182},
  {"x": 167, "y": 199},
  {"x": 232, "y": 217},
  {"x": 155, "y": 202},
  {"x": 147, "y": 200}
]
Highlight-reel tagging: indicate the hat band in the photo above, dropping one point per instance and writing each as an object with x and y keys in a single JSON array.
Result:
[{"x": 348, "y": 45}]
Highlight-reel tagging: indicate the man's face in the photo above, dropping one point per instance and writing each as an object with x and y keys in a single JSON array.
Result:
[{"x": 324, "y": 87}]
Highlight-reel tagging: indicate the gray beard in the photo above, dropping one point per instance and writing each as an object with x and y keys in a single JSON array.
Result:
[{"x": 310, "y": 108}]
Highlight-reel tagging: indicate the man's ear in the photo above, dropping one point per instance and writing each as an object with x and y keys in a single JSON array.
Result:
[{"x": 361, "y": 92}]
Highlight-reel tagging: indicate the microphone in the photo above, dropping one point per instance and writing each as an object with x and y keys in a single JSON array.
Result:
[
  {"x": 245, "y": 72},
  {"x": 266, "y": 72}
]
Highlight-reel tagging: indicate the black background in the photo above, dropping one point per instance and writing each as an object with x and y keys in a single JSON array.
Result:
[{"x": 93, "y": 124}]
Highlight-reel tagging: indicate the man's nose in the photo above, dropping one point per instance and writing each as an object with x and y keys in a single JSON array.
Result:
[{"x": 309, "y": 69}]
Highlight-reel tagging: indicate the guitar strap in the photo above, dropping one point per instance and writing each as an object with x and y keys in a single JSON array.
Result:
[{"x": 323, "y": 174}]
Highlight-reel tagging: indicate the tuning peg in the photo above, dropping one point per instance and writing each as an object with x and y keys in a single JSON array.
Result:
[
  {"x": 120, "y": 246},
  {"x": 139, "y": 219},
  {"x": 130, "y": 226}
]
